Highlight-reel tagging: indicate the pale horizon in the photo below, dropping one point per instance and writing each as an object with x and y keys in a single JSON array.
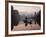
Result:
[{"x": 27, "y": 9}]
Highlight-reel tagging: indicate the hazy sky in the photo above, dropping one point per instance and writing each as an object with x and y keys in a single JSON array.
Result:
[{"x": 27, "y": 9}]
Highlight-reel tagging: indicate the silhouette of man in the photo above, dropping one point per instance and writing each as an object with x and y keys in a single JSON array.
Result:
[{"x": 25, "y": 21}]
